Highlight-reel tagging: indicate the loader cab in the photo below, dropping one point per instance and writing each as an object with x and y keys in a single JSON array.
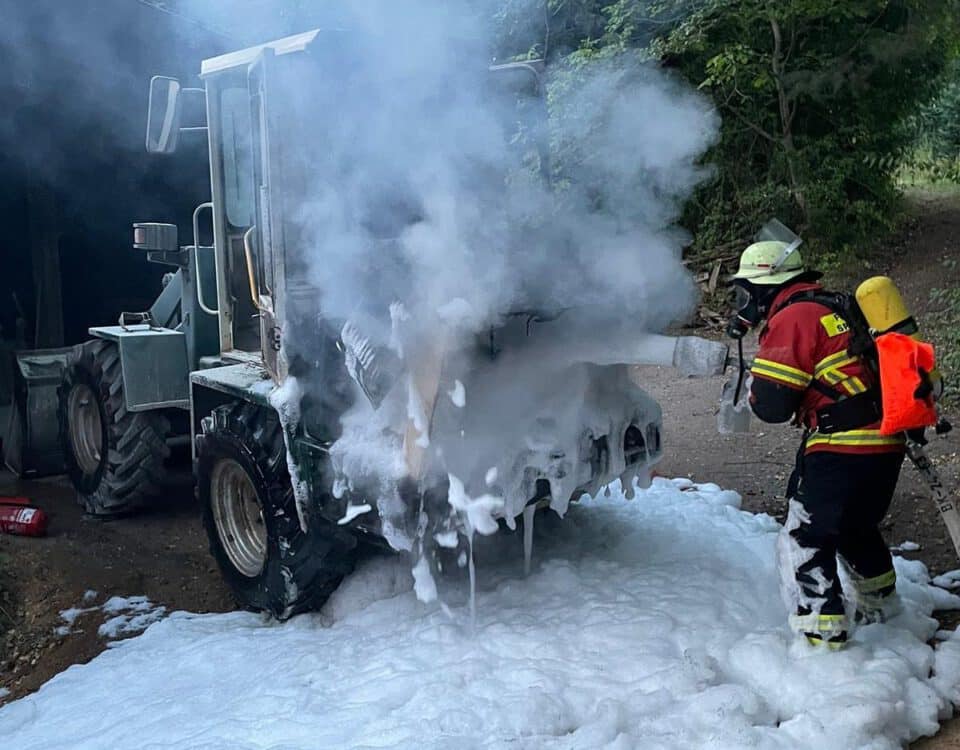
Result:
[
  {"x": 278, "y": 114},
  {"x": 270, "y": 115},
  {"x": 234, "y": 209},
  {"x": 238, "y": 213},
  {"x": 263, "y": 146}
]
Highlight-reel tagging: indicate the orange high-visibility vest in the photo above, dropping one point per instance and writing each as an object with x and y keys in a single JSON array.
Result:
[{"x": 901, "y": 359}]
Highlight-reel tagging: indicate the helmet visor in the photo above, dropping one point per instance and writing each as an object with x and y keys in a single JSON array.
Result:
[{"x": 779, "y": 232}]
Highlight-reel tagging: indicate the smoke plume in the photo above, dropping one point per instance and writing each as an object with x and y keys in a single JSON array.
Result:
[
  {"x": 444, "y": 185},
  {"x": 498, "y": 232},
  {"x": 494, "y": 236}
]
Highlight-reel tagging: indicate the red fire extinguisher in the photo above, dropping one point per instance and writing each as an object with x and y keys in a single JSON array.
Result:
[{"x": 17, "y": 516}]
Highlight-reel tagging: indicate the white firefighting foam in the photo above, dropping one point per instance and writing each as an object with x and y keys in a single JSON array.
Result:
[{"x": 652, "y": 623}]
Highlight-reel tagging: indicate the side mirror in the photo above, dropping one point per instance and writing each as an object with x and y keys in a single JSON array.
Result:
[
  {"x": 163, "y": 115},
  {"x": 523, "y": 75}
]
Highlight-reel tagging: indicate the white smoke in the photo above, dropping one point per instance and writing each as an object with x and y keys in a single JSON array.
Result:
[
  {"x": 429, "y": 200},
  {"x": 449, "y": 212},
  {"x": 420, "y": 152}
]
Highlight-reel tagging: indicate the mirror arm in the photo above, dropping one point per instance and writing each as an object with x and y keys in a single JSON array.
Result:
[{"x": 195, "y": 92}]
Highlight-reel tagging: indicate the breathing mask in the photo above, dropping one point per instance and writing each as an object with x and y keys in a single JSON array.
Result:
[{"x": 749, "y": 312}]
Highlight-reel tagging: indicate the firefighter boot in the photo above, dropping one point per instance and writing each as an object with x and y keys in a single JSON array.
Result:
[
  {"x": 877, "y": 599},
  {"x": 829, "y": 630}
]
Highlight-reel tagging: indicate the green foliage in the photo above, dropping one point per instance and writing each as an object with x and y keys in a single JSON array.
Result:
[
  {"x": 922, "y": 167},
  {"x": 825, "y": 104},
  {"x": 935, "y": 156},
  {"x": 938, "y": 123},
  {"x": 550, "y": 29},
  {"x": 817, "y": 98},
  {"x": 813, "y": 94}
]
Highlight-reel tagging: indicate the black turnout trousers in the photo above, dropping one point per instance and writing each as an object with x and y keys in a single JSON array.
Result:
[{"x": 845, "y": 497}]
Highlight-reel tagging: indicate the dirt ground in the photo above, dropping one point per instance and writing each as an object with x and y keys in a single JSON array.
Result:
[{"x": 162, "y": 552}]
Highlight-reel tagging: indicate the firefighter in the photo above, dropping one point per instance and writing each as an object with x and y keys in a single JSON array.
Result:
[{"x": 846, "y": 470}]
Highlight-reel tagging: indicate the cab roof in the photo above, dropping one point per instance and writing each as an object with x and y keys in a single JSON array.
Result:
[{"x": 244, "y": 57}]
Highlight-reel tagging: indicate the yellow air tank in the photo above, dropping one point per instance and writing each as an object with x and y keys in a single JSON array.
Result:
[
  {"x": 884, "y": 308},
  {"x": 885, "y": 311}
]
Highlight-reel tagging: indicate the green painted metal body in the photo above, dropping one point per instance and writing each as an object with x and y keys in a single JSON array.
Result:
[
  {"x": 246, "y": 381},
  {"x": 158, "y": 355},
  {"x": 154, "y": 365}
]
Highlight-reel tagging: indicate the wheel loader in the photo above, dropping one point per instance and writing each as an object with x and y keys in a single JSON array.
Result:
[{"x": 238, "y": 355}]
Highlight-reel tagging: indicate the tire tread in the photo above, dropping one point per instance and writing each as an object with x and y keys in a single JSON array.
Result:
[
  {"x": 309, "y": 565},
  {"x": 136, "y": 449}
]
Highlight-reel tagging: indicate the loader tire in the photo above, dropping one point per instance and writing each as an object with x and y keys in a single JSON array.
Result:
[
  {"x": 249, "y": 512},
  {"x": 115, "y": 458}
]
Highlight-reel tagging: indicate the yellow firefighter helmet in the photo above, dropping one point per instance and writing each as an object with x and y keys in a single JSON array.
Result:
[{"x": 770, "y": 263}]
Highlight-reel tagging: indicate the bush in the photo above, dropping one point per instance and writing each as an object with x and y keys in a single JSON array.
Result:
[
  {"x": 935, "y": 156},
  {"x": 818, "y": 99}
]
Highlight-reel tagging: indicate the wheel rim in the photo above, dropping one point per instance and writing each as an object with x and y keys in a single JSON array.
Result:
[
  {"x": 86, "y": 428},
  {"x": 238, "y": 516}
]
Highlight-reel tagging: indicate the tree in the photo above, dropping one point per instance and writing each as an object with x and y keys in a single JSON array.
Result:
[
  {"x": 813, "y": 94},
  {"x": 938, "y": 126}
]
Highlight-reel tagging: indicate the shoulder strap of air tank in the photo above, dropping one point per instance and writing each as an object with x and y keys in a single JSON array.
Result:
[
  {"x": 845, "y": 305},
  {"x": 842, "y": 304},
  {"x": 827, "y": 300},
  {"x": 837, "y": 302}
]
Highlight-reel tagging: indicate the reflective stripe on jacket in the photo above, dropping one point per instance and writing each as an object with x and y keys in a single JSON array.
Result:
[{"x": 804, "y": 342}]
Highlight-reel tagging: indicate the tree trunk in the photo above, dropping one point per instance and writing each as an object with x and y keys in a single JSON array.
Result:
[
  {"x": 786, "y": 118},
  {"x": 43, "y": 223}
]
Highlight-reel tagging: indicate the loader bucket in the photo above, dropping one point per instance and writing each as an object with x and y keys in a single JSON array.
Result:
[{"x": 31, "y": 445}]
